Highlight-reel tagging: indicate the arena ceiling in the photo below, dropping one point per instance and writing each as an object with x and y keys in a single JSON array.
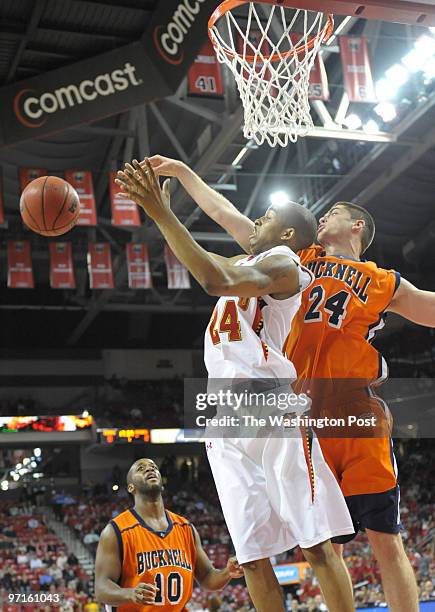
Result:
[{"x": 394, "y": 179}]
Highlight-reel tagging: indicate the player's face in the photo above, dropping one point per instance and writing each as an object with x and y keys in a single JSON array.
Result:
[
  {"x": 267, "y": 232},
  {"x": 335, "y": 223},
  {"x": 145, "y": 477}
]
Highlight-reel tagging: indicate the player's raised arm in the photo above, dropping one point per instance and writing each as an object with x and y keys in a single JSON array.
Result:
[
  {"x": 274, "y": 275},
  {"x": 108, "y": 571},
  {"x": 414, "y": 304},
  {"x": 214, "y": 204},
  {"x": 209, "y": 577}
]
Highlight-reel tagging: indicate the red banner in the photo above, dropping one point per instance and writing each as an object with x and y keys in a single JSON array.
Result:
[
  {"x": 2, "y": 202},
  {"x": 138, "y": 264},
  {"x": 81, "y": 180},
  {"x": 20, "y": 272},
  {"x": 178, "y": 276},
  {"x": 205, "y": 76},
  {"x": 100, "y": 266},
  {"x": 124, "y": 211},
  {"x": 357, "y": 72},
  {"x": 61, "y": 266},
  {"x": 318, "y": 88},
  {"x": 27, "y": 175}
]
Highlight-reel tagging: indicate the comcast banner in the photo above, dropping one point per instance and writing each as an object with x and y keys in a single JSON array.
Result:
[
  {"x": 85, "y": 91},
  {"x": 109, "y": 83}
]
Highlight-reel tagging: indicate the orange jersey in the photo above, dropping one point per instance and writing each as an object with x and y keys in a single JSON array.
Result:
[
  {"x": 340, "y": 313},
  {"x": 166, "y": 559}
]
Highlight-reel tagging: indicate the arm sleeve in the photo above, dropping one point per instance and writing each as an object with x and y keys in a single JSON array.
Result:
[{"x": 389, "y": 282}]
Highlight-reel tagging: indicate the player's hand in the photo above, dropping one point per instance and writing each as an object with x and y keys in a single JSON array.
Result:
[
  {"x": 234, "y": 569},
  {"x": 140, "y": 184},
  {"x": 165, "y": 166},
  {"x": 143, "y": 593}
]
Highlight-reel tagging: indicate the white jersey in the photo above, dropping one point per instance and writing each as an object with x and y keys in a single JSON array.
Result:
[{"x": 245, "y": 337}]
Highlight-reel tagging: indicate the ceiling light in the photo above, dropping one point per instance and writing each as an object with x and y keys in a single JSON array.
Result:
[
  {"x": 4, "y": 485},
  {"x": 115, "y": 488},
  {"x": 239, "y": 157},
  {"x": 385, "y": 89},
  {"x": 37, "y": 452},
  {"x": 353, "y": 122},
  {"x": 15, "y": 477},
  {"x": 425, "y": 45},
  {"x": 386, "y": 111},
  {"x": 397, "y": 74},
  {"x": 371, "y": 127},
  {"x": 278, "y": 198},
  {"x": 414, "y": 61}
]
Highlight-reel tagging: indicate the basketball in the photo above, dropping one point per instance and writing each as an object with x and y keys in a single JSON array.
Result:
[{"x": 49, "y": 206}]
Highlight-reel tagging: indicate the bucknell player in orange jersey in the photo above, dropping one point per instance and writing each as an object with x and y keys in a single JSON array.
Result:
[
  {"x": 148, "y": 557},
  {"x": 331, "y": 339}
]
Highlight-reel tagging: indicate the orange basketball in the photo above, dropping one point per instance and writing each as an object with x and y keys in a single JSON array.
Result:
[{"x": 49, "y": 206}]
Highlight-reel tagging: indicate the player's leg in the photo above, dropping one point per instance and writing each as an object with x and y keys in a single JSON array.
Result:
[
  {"x": 332, "y": 575},
  {"x": 255, "y": 528},
  {"x": 368, "y": 474},
  {"x": 338, "y": 549},
  {"x": 398, "y": 579},
  {"x": 263, "y": 586},
  {"x": 309, "y": 501}
]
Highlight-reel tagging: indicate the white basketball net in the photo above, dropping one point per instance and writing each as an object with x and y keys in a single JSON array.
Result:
[{"x": 271, "y": 75}]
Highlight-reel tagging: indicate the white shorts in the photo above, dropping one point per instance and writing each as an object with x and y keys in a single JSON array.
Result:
[{"x": 270, "y": 502}]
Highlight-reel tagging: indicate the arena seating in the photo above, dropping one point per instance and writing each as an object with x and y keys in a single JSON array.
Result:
[{"x": 34, "y": 560}]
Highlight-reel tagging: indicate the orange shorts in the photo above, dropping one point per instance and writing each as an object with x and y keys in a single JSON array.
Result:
[
  {"x": 362, "y": 458},
  {"x": 363, "y": 462},
  {"x": 361, "y": 465}
]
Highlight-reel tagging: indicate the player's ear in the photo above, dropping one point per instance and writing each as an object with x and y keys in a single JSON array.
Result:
[
  {"x": 130, "y": 488},
  {"x": 358, "y": 224},
  {"x": 288, "y": 234}
]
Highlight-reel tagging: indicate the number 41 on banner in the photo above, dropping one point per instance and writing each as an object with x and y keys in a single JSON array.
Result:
[{"x": 204, "y": 77}]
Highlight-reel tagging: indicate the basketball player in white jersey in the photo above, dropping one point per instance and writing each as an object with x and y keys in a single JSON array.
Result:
[{"x": 275, "y": 492}]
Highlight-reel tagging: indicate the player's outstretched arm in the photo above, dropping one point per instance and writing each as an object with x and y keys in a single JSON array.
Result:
[
  {"x": 209, "y": 577},
  {"x": 273, "y": 275},
  {"x": 414, "y": 304},
  {"x": 214, "y": 204},
  {"x": 108, "y": 571}
]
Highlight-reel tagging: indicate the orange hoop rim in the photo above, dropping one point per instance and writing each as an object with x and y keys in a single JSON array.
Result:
[{"x": 228, "y": 5}]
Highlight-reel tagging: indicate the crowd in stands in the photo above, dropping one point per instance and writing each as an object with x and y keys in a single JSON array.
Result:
[{"x": 33, "y": 560}]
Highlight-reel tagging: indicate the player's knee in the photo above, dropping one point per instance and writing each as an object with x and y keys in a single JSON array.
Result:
[
  {"x": 320, "y": 555},
  {"x": 387, "y": 547}
]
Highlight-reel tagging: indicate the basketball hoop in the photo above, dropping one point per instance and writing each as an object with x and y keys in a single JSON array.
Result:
[{"x": 270, "y": 49}]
